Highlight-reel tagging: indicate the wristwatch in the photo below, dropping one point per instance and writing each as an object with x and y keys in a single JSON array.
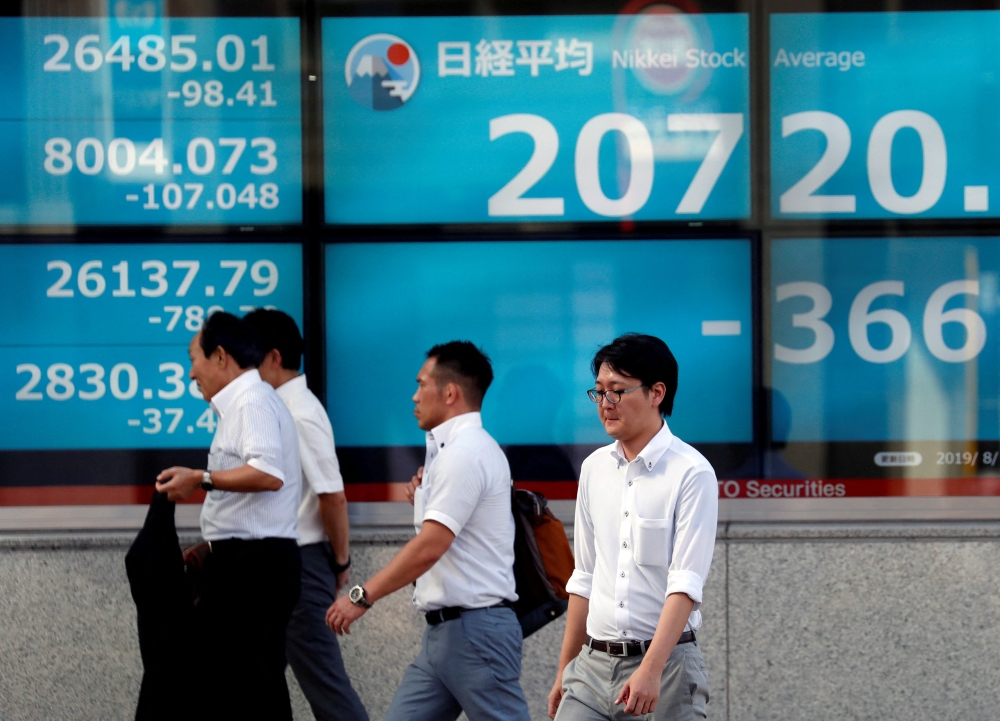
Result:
[
  {"x": 358, "y": 598},
  {"x": 206, "y": 481}
]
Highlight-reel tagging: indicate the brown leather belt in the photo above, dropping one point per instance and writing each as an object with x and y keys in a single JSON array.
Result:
[
  {"x": 632, "y": 648},
  {"x": 453, "y": 612}
]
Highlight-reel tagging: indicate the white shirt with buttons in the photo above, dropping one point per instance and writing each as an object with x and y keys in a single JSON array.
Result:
[
  {"x": 466, "y": 487},
  {"x": 320, "y": 467},
  {"x": 255, "y": 429},
  {"x": 644, "y": 530}
]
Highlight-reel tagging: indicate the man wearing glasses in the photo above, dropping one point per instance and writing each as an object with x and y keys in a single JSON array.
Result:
[
  {"x": 462, "y": 558},
  {"x": 646, "y": 516}
]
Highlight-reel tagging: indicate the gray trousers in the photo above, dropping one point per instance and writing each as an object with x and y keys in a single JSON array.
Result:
[
  {"x": 592, "y": 680},
  {"x": 312, "y": 648},
  {"x": 471, "y": 664}
]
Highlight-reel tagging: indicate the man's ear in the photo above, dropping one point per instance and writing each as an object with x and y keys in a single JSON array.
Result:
[
  {"x": 277, "y": 357},
  {"x": 659, "y": 392},
  {"x": 452, "y": 393}
]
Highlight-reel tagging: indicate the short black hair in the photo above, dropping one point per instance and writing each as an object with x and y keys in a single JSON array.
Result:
[
  {"x": 237, "y": 337},
  {"x": 645, "y": 358},
  {"x": 278, "y": 331},
  {"x": 461, "y": 362}
]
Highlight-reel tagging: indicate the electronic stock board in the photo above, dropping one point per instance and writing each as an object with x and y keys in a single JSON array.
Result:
[
  {"x": 884, "y": 362},
  {"x": 536, "y": 118},
  {"x": 93, "y": 343},
  {"x": 540, "y": 310},
  {"x": 884, "y": 115},
  {"x": 165, "y": 121}
]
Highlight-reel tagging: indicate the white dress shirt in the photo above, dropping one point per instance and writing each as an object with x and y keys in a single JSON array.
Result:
[
  {"x": 254, "y": 428},
  {"x": 466, "y": 487},
  {"x": 320, "y": 467},
  {"x": 644, "y": 530}
]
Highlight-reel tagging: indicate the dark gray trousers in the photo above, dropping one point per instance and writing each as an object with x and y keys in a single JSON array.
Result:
[{"x": 312, "y": 648}]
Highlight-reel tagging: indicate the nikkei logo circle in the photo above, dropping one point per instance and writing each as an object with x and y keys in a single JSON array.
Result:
[{"x": 382, "y": 72}]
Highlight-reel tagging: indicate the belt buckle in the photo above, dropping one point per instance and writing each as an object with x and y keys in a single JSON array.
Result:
[{"x": 621, "y": 645}]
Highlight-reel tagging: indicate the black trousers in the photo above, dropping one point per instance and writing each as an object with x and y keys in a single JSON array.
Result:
[
  {"x": 249, "y": 591},
  {"x": 224, "y": 659}
]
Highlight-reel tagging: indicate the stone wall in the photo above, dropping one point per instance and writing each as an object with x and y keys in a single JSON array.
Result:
[{"x": 822, "y": 621}]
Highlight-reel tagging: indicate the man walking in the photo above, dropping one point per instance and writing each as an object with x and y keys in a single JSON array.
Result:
[
  {"x": 324, "y": 532},
  {"x": 461, "y": 559},
  {"x": 251, "y": 577},
  {"x": 646, "y": 515}
]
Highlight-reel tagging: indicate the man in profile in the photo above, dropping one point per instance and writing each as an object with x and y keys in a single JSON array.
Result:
[
  {"x": 461, "y": 559},
  {"x": 646, "y": 515},
  {"x": 324, "y": 531},
  {"x": 253, "y": 481}
]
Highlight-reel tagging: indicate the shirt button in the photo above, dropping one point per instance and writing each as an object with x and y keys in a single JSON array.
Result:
[
  {"x": 623, "y": 574},
  {"x": 626, "y": 514},
  {"x": 630, "y": 483},
  {"x": 621, "y": 604},
  {"x": 624, "y": 544}
]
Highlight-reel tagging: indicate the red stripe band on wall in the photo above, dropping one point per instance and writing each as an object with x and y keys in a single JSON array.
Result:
[{"x": 553, "y": 490}]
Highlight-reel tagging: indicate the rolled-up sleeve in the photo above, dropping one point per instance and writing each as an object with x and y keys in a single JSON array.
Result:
[
  {"x": 581, "y": 582},
  {"x": 457, "y": 487},
  {"x": 258, "y": 438},
  {"x": 694, "y": 535}
]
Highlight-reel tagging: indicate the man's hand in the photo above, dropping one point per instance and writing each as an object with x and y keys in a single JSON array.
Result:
[
  {"x": 411, "y": 487},
  {"x": 178, "y": 482},
  {"x": 555, "y": 696},
  {"x": 342, "y": 614},
  {"x": 641, "y": 692},
  {"x": 343, "y": 578}
]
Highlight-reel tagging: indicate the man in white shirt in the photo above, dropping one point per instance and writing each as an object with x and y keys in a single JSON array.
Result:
[
  {"x": 646, "y": 515},
  {"x": 251, "y": 577},
  {"x": 462, "y": 558},
  {"x": 324, "y": 531}
]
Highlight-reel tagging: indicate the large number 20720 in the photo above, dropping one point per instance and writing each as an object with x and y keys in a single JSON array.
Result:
[
  {"x": 509, "y": 201},
  {"x": 802, "y": 197},
  {"x": 860, "y": 317}
]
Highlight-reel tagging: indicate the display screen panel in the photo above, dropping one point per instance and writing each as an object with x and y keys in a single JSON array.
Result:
[
  {"x": 166, "y": 121},
  {"x": 540, "y": 310},
  {"x": 884, "y": 115},
  {"x": 885, "y": 363},
  {"x": 541, "y": 118},
  {"x": 94, "y": 350}
]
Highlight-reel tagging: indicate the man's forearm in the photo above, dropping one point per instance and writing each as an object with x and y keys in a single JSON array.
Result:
[
  {"x": 333, "y": 511},
  {"x": 245, "y": 479},
  {"x": 575, "y": 634},
  {"x": 673, "y": 619},
  {"x": 413, "y": 561}
]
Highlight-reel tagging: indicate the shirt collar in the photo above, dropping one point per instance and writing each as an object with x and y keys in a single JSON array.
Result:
[
  {"x": 291, "y": 388},
  {"x": 654, "y": 450},
  {"x": 223, "y": 400},
  {"x": 441, "y": 435}
]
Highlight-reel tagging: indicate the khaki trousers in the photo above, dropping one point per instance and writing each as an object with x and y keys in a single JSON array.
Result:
[{"x": 592, "y": 680}]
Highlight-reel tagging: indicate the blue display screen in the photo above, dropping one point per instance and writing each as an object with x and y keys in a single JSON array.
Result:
[
  {"x": 94, "y": 338},
  {"x": 886, "y": 339},
  {"x": 551, "y": 118},
  {"x": 540, "y": 310},
  {"x": 173, "y": 121},
  {"x": 884, "y": 115}
]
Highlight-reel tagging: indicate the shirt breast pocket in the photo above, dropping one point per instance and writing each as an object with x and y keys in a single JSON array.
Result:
[{"x": 651, "y": 541}]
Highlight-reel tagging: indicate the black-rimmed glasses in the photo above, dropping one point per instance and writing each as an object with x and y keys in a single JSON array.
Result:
[{"x": 613, "y": 396}]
